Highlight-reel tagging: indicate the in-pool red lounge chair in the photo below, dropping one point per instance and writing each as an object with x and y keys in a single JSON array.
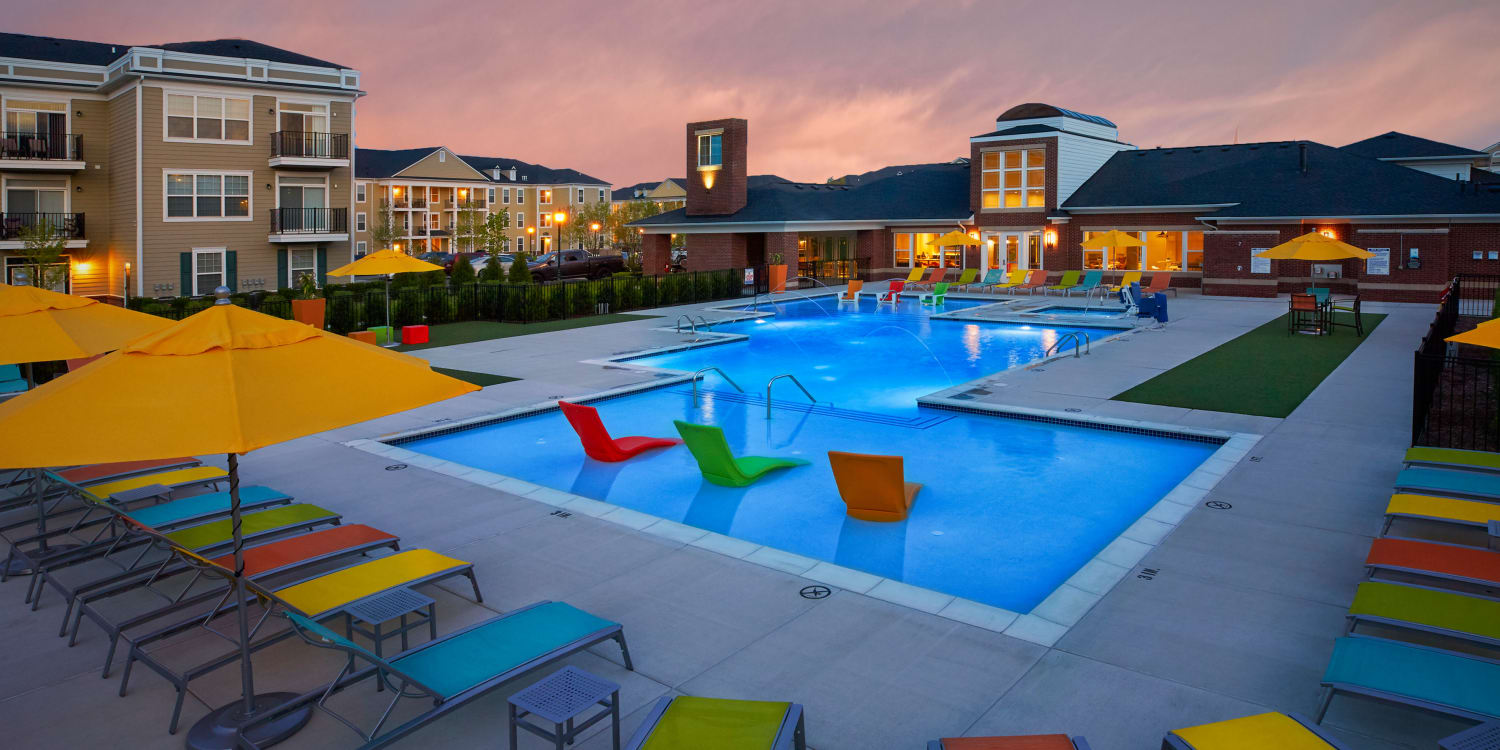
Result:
[
  {"x": 596, "y": 440},
  {"x": 893, "y": 293}
]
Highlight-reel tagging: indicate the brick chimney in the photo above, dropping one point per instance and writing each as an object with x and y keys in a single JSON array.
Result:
[{"x": 716, "y": 166}]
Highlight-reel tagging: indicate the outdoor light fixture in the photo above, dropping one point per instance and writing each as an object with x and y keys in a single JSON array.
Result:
[
  {"x": 1327, "y": 233},
  {"x": 83, "y": 267},
  {"x": 708, "y": 178},
  {"x": 531, "y": 230},
  {"x": 594, "y": 226}
]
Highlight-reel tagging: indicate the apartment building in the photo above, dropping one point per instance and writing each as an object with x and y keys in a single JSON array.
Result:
[
  {"x": 666, "y": 194},
  {"x": 174, "y": 168},
  {"x": 426, "y": 191}
]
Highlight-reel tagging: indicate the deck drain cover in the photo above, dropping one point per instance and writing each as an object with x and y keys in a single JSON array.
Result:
[
  {"x": 562, "y": 514},
  {"x": 815, "y": 592},
  {"x": 1073, "y": 409},
  {"x": 1255, "y": 459},
  {"x": 1038, "y": 369},
  {"x": 1218, "y": 505},
  {"x": 395, "y": 467}
]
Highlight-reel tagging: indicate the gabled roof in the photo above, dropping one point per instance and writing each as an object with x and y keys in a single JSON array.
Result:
[
  {"x": 1394, "y": 145},
  {"x": 379, "y": 163},
  {"x": 1037, "y": 110},
  {"x": 628, "y": 192},
  {"x": 1266, "y": 180},
  {"x": 939, "y": 192},
  {"x": 54, "y": 49}
]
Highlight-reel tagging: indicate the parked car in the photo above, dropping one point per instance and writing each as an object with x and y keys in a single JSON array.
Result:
[
  {"x": 453, "y": 258},
  {"x": 435, "y": 258},
  {"x": 484, "y": 260},
  {"x": 576, "y": 264}
]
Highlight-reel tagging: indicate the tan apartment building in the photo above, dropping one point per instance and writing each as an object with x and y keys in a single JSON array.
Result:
[
  {"x": 175, "y": 168},
  {"x": 666, "y": 194},
  {"x": 427, "y": 189}
]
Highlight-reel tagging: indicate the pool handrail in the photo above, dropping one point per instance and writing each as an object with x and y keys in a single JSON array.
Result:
[
  {"x": 794, "y": 380},
  {"x": 1071, "y": 335},
  {"x": 693, "y": 327},
  {"x": 699, "y": 376}
]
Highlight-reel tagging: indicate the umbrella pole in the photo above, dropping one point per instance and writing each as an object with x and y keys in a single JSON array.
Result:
[
  {"x": 224, "y": 726},
  {"x": 388, "y": 301}
]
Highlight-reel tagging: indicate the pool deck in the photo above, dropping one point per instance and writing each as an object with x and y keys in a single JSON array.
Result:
[{"x": 1237, "y": 616}]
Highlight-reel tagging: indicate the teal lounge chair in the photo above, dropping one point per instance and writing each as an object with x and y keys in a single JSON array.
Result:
[
  {"x": 991, "y": 278},
  {"x": 458, "y": 668},
  {"x": 1448, "y": 483},
  {"x": 11, "y": 382},
  {"x": 1452, "y": 458},
  {"x": 1432, "y": 679},
  {"x": 692, "y": 722},
  {"x": 1091, "y": 281},
  {"x": 717, "y": 461}
]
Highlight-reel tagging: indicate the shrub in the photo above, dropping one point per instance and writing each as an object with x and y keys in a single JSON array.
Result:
[
  {"x": 628, "y": 294},
  {"x": 463, "y": 272},
  {"x": 704, "y": 287},
  {"x": 583, "y": 298},
  {"x": 436, "y": 306},
  {"x": 492, "y": 270},
  {"x": 465, "y": 300},
  {"x": 519, "y": 273},
  {"x": 538, "y": 302}
]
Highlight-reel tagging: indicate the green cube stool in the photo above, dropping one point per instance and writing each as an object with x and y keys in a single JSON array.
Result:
[{"x": 383, "y": 334}]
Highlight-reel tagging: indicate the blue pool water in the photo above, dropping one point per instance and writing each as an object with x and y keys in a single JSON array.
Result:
[{"x": 1010, "y": 508}]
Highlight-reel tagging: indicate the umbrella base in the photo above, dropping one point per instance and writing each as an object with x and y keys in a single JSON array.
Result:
[
  {"x": 220, "y": 729},
  {"x": 18, "y": 566}
]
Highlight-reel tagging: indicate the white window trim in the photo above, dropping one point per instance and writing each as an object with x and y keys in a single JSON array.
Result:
[
  {"x": 601, "y": 195},
  {"x": 360, "y": 192},
  {"x": 492, "y": 196},
  {"x": 327, "y": 196},
  {"x": 544, "y": 191},
  {"x": 291, "y": 271},
  {"x": 520, "y": 196},
  {"x": 223, "y": 253},
  {"x": 505, "y": 196},
  {"x": 249, "y": 213},
  {"x": 698, "y": 148},
  {"x": 359, "y": 247},
  {"x": 66, "y": 189},
  {"x": 67, "y": 110},
  {"x": 249, "y": 141},
  {"x": 359, "y": 221},
  {"x": 581, "y": 194}
]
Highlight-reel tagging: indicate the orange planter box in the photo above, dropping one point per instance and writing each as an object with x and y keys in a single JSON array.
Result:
[{"x": 366, "y": 336}]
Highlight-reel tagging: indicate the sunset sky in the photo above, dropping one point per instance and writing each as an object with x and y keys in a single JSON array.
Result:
[{"x": 834, "y": 87}]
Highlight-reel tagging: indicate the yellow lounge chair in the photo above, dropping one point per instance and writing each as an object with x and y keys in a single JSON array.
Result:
[
  {"x": 176, "y": 478},
  {"x": 916, "y": 274},
  {"x": 873, "y": 487},
  {"x": 1130, "y": 277},
  {"x": 1258, "y": 732},
  {"x": 1015, "y": 279},
  {"x": 1440, "y": 509}
]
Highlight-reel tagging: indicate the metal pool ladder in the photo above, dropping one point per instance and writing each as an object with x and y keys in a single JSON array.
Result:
[
  {"x": 692, "y": 325},
  {"x": 1070, "y": 336},
  {"x": 794, "y": 380},
  {"x": 722, "y": 374}
]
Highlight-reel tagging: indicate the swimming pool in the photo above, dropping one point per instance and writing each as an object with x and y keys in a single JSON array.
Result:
[
  {"x": 1103, "y": 312},
  {"x": 1010, "y": 509}
]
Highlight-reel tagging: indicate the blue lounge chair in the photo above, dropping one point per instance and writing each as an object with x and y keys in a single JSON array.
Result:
[
  {"x": 1448, "y": 483},
  {"x": 1420, "y": 676},
  {"x": 459, "y": 667}
]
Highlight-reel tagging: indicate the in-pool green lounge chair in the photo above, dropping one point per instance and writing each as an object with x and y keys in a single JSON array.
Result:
[
  {"x": 936, "y": 296},
  {"x": 1447, "y": 483},
  {"x": 1453, "y": 458},
  {"x": 718, "y": 463},
  {"x": 692, "y": 723},
  {"x": 1441, "y": 510},
  {"x": 1427, "y": 610},
  {"x": 455, "y": 669},
  {"x": 1420, "y": 676},
  {"x": 1065, "y": 285}
]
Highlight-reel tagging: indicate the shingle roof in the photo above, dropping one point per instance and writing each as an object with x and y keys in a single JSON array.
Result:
[
  {"x": 53, "y": 49},
  {"x": 380, "y": 163},
  {"x": 1037, "y": 110},
  {"x": 924, "y": 191},
  {"x": 1265, "y": 179},
  {"x": 1394, "y": 145}
]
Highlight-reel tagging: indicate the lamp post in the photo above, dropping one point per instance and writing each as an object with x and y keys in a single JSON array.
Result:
[
  {"x": 594, "y": 227},
  {"x": 558, "y": 219}
]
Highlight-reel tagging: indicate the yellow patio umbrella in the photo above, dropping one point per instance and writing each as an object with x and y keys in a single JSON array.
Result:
[
  {"x": 954, "y": 238},
  {"x": 1314, "y": 246},
  {"x": 386, "y": 263},
  {"x": 1486, "y": 334},
  {"x": 226, "y": 380},
  {"x": 40, "y": 325},
  {"x": 1112, "y": 238}
]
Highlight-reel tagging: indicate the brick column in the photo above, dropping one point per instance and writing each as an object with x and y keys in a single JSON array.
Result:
[
  {"x": 656, "y": 251},
  {"x": 873, "y": 249}
]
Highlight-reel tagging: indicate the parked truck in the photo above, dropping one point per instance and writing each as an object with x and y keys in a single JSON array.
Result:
[{"x": 575, "y": 264}]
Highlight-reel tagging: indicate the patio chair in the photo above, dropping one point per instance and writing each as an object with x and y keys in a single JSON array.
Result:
[
  {"x": 1422, "y": 677},
  {"x": 457, "y": 668},
  {"x": 689, "y": 723},
  {"x": 1012, "y": 280},
  {"x": 1268, "y": 730},
  {"x": 966, "y": 278},
  {"x": 1065, "y": 285},
  {"x": 1452, "y": 458},
  {"x": 936, "y": 296},
  {"x": 1304, "y": 314},
  {"x": 84, "y": 476},
  {"x": 992, "y": 278},
  {"x": 1161, "y": 281},
  {"x": 1091, "y": 281},
  {"x": 1130, "y": 277},
  {"x": 1449, "y": 483},
  {"x": 892, "y": 293},
  {"x": 1424, "y": 610},
  {"x": 874, "y": 488},
  {"x": 175, "y": 479},
  {"x": 916, "y": 274},
  {"x": 852, "y": 293},
  {"x": 719, "y": 464},
  {"x": 1449, "y": 510},
  {"x": 1018, "y": 742},
  {"x": 1350, "y": 306},
  {"x": 11, "y": 381},
  {"x": 1037, "y": 280},
  {"x": 1446, "y": 563},
  {"x": 598, "y": 445},
  {"x": 938, "y": 274}
]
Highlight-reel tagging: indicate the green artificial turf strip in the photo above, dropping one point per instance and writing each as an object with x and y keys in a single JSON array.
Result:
[
  {"x": 480, "y": 379},
  {"x": 449, "y": 334},
  {"x": 1265, "y": 372}
]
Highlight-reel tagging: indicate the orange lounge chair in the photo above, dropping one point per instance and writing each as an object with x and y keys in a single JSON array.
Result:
[
  {"x": 1448, "y": 562},
  {"x": 1161, "y": 281},
  {"x": 94, "y": 473},
  {"x": 873, "y": 487},
  {"x": 852, "y": 293},
  {"x": 1037, "y": 280},
  {"x": 938, "y": 274},
  {"x": 597, "y": 443}
]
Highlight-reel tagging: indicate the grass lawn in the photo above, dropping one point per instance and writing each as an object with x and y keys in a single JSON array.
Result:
[
  {"x": 449, "y": 334},
  {"x": 480, "y": 379},
  {"x": 1265, "y": 372}
]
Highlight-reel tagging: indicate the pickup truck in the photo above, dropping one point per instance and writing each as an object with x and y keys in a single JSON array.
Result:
[{"x": 575, "y": 264}]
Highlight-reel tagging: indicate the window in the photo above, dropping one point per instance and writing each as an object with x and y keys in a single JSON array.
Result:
[
  {"x": 297, "y": 117},
  {"x": 442, "y": 156},
  {"x": 359, "y": 192},
  {"x": 359, "y": 249},
  {"x": 918, "y": 249},
  {"x": 520, "y": 244},
  {"x": 302, "y": 203},
  {"x": 710, "y": 150},
  {"x": 492, "y": 196},
  {"x": 544, "y": 219},
  {"x": 601, "y": 195},
  {"x": 208, "y": 269},
  {"x": 1014, "y": 179},
  {"x": 434, "y": 221},
  {"x": 193, "y": 195},
  {"x": 520, "y": 195},
  {"x": 505, "y": 195},
  {"x": 208, "y": 118},
  {"x": 1163, "y": 251},
  {"x": 359, "y": 222},
  {"x": 520, "y": 220},
  {"x": 36, "y": 129},
  {"x": 580, "y": 195},
  {"x": 544, "y": 197},
  {"x": 301, "y": 260}
]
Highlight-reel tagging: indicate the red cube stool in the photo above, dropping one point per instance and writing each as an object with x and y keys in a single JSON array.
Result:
[
  {"x": 413, "y": 334},
  {"x": 366, "y": 336}
]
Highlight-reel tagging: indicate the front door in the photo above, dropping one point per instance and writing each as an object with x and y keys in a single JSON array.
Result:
[
  {"x": 302, "y": 207},
  {"x": 1013, "y": 251}
]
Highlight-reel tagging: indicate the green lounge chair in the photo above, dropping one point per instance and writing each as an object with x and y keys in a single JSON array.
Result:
[
  {"x": 968, "y": 277},
  {"x": 936, "y": 296},
  {"x": 1065, "y": 285},
  {"x": 1432, "y": 679},
  {"x": 1427, "y": 610},
  {"x": 718, "y": 463},
  {"x": 688, "y": 722},
  {"x": 1446, "y": 483},
  {"x": 458, "y": 668},
  {"x": 1452, "y": 458}
]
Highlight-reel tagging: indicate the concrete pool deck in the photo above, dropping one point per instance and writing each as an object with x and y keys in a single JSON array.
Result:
[{"x": 1237, "y": 615}]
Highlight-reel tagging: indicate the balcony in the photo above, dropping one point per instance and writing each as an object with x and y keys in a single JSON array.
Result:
[
  {"x": 416, "y": 231},
  {"x": 41, "y": 152},
  {"x": 309, "y": 224},
  {"x": 295, "y": 149},
  {"x": 68, "y": 226}
]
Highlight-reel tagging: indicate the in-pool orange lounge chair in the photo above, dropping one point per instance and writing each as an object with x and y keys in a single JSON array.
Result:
[
  {"x": 597, "y": 443},
  {"x": 852, "y": 293},
  {"x": 873, "y": 487},
  {"x": 1449, "y": 562}
]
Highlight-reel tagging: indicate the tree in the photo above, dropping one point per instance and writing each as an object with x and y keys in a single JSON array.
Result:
[
  {"x": 492, "y": 237},
  {"x": 623, "y": 235},
  {"x": 383, "y": 231},
  {"x": 579, "y": 228},
  {"x": 467, "y": 226},
  {"x": 519, "y": 273},
  {"x": 42, "y": 246}
]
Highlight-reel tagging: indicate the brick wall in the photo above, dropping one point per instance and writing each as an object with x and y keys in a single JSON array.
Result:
[
  {"x": 784, "y": 243},
  {"x": 873, "y": 248},
  {"x": 1011, "y": 217},
  {"x": 708, "y": 252},
  {"x": 728, "y": 193},
  {"x": 656, "y": 250}
]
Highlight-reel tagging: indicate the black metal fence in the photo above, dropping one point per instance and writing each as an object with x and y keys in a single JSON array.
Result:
[
  {"x": 355, "y": 307},
  {"x": 1456, "y": 399}
]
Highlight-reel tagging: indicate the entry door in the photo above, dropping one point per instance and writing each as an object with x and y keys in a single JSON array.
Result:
[
  {"x": 302, "y": 207},
  {"x": 1016, "y": 251}
]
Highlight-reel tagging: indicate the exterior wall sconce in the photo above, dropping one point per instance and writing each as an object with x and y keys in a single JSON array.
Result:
[
  {"x": 1328, "y": 233},
  {"x": 709, "y": 175},
  {"x": 1050, "y": 238}
]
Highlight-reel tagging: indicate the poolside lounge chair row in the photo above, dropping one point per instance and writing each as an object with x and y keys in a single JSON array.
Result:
[{"x": 1030, "y": 281}]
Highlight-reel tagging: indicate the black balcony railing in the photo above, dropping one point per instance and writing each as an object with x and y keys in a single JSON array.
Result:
[
  {"x": 309, "y": 220},
  {"x": 310, "y": 145},
  {"x": 417, "y": 231},
  {"x": 69, "y": 226},
  {"x": 419, "y": 203},
  {"x": 61, "y": 146}
]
